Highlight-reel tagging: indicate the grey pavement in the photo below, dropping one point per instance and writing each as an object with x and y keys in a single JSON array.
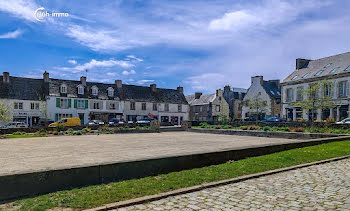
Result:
[
  {"x": 61, "y": 152},
  {"x": 318, "y": 187}
]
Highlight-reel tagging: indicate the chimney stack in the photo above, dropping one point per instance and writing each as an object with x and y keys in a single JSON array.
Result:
[
  {"x": 119, "y": 83},
  {"x": 6, "y": 77},
  {"x": 83, "y": 80},
  {"x": 197, "y": 95},
  {"x": 219, "y": 92},
  {"x": 153, "y": 87},
  {"x": 258, "y": 79},
  {"x": 180, "y": 89},
  {"x": 301, "y": 63},
  {"x": 277, "y": 82},
  {"x": 46, "y": 77}
]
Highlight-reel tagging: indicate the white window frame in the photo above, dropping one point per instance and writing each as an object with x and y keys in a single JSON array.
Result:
[
  {"x": 80, "y": 104},
  {"x": 110, "y": 91},
  {"x": 63, "y": 103},
  {"x": 63, "y": 89},
  {"x": 80, "y": 89},
  {"x": 18, "y": 105},
  {"x": 94, "y": 91}
]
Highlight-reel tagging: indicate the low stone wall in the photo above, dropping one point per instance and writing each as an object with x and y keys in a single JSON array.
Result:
[
  {"x": 277, "y": 124},
  {"x": 34, "y": 183},
  {"x": 271, "y": 134}
]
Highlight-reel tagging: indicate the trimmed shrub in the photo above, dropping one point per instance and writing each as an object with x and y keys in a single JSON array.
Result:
[
  {"x": 284, "y": 129},
  {"x": 60, "y": 128},
  {"x": 227, "y": 127},
  {"x": 203, "y": 125},
  {"x": 253, "y": 127},
  {"x": 55, "y": 132},
  {"x": 19, "y": 133},
  {"x": 298, "y": 129},
  {"x": 218, "y": 127},
  {"x": 243, "y": 127},
  {"x": 266, "y": 128}
]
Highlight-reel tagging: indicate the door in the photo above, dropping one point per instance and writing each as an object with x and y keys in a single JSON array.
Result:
[{"x": 81, "y": 117}]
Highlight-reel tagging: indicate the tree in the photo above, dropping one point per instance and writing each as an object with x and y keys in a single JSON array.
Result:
[
  {"x": 317, "y": 96},
  {"x": 5, "y": 113},
  {"x": 257, "y": 105}
]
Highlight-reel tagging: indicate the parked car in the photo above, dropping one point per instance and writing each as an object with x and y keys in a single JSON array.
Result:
[
  {"x": 144, "y": 121},
  {"x": 44, "y": 122},
  {"x": 344, "y": 121},
  {"x": 15, "y": 125},
  {"x": 96, "y": 122},
  {"x": 115, "y": 121},
  {"x": 75, "y": 121},
  {"x": 273, "y": 119}
]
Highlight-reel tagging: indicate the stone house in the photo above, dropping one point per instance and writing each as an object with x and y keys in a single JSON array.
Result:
[
  {"x": 210, "y": 107},
  {"x": 234, "y": 98},
  {"x": 92, "y": 100},
  {"x": 267, "y": 91},
  {"x": 336, "y": 70}
]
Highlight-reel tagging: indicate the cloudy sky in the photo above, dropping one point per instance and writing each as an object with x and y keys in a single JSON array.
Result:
[{"x": 201, "y": 45}]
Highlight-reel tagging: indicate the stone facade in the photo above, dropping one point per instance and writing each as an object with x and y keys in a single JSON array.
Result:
[
  {"x": 211, "y": 107},
  {"x": 234, "y": 97},
  {"x": 268, "y": 91},
  {"x": 334, "y": 69}
]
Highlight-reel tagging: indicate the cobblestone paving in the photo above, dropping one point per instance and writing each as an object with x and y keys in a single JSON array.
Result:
[{"x": 320, "y": 187}]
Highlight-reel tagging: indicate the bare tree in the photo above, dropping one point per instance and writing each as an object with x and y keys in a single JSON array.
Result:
[
  {"x": 5, "y": 113},
  {"x": 256, "y": 104}
]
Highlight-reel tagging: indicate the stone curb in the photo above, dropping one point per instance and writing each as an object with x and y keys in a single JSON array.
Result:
[{"x": 159, "y": 196}]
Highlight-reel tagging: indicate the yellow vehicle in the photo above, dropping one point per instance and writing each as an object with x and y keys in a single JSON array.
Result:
[{"x": 75, "y": 121}]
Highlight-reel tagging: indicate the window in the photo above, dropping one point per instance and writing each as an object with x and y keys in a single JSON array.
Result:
[
  {"x": 348, "y": 68},
  {"x": 217, "y": 108},
  {"x": 295, "y": 77},
  {"x": 327, "y": 65},
  {"x": 112, "y": 106},
  {"x": 299, "y": 94},
  {"x": 132, "y": 105},
  {"x": 342, "y": 88},
  {"x": 32, "y": 106},
  {"x": 80, "y": 103},
  {"x": 200, "y": 108},
  {"x": 110, "y": 92},
  {"x": 327, "y": 90},
  {"x": 18, "y": 105},
  {"x": 289, "y": 95},
  {"x": 97, "y": 105},
  {"x": 219, "y": 98},
  {"x": 94, "y": 91},
  {"x": 334, "y": 70},
  {"x": 272, "y": 92},
  {"x": 63, "y": 89},
  {"x": 64, "y": 103},
  {"x": 80, "y": 90},
  {"x": 155, "y": 107},
  {"x": 179, "y": 108},
  {"x": 37, "y": 106},
  {"x": 166, "y": 107},
  {"x": 143, "y": 106},
  {"x": 319, "y": 73},
  {"x": 306, "y": 74}
]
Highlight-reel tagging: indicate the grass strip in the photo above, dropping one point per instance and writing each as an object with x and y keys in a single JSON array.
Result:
[
  {"x": 22, "y": 136},
  {"x": 98, "y": 195}
]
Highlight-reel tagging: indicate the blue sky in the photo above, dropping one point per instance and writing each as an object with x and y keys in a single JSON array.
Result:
[{"x": 201, "y": 45}]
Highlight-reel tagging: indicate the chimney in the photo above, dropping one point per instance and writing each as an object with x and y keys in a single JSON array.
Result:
[
  {"x": 46, "y": 77},
  {"x": 219, "y": 92},
  {"x": 83, "y": 80},
  {"x": 197, "y": 95},
  {"x": 153, "y": 87},
  {"x": 119, "y": 83},
  {"x": 301, "y": 63},
  {"x": 180, "y": 89},
  {"x": 6, "y": 77},
  {"x": 257, "y": 79}
]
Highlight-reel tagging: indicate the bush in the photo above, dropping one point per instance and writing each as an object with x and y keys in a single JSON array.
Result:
[
  {"x": 227, "y": 127},
  {"x": 19, "y": 133},
  {"x": 78, "y": 132},
  {"x": 55, "y": 132},
  {"x": 203, "y": 125},
  {"x": 243, "y": 127},
  {"x": 298, "y": 129},
  {"x": 266, "y": 128},
  {"x": 253, "y": 127},
  {"x": 284, "y": 129},
  {"x": 218, "y": 127},
  {"x": 154, "y": 125},
  {"x": 60, "y": 128},
  {"x": 43, "y": 134}
]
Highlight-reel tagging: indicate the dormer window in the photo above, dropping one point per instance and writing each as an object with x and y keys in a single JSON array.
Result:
[
  {"x": 80, "y": 89},
  {"x": 63, "y": 89},
  {"x": 94, "y": 90},
  {"x": 110, "y": 91},
  {"x": 295, "y": 77}
]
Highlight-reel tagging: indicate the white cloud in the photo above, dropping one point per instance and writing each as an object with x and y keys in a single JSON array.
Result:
[
  {"x": 11, "y": 35},
  {"x": 72, "y": 61},
  {"x": 131, "y": 72},
  {"x": 200, "y": 82},
  {"x": 134, "y": 58},
  {"x": 141, "y": 82},
  {"x": 20, "y": 8},
  {"x": 233, "y": 20},
  {"x": 98, "y": 64}
]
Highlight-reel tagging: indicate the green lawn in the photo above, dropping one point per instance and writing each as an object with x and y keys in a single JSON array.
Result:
[
  {"x": 93, "y": 196},
  {"x": 22, "y": 136}
]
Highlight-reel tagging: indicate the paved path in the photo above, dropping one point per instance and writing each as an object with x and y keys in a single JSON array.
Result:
[
  {"x": 38, "y": 154},
  {"x": 319, "y": 187}
]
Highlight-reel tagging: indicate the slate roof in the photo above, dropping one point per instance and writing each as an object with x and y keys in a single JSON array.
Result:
[
  {"x": 203, "y": 100},
  {"x": 128, "y": 92},
  {"x": 272, "y": 89},
  {"x": 326, "y": 65},
  {"x": 23, "y": 88}
]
